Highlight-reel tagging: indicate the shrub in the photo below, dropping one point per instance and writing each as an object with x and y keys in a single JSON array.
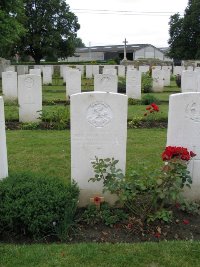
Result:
[
  {"x": 58, "y": 119},
  {"x": 147, "y": 82},
  {"x": 121, "y": 85},
  {"x": 148, "y": 99},
  {"x": 106, "y": 215},
  {"x": 35, "y": 206},
  {"x": 132, "y": 101},
  {"x": 178, "y": 80},
  {"x": 148, "y": 195}
]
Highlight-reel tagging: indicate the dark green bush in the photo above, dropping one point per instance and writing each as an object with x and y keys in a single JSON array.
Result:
[
  {"x": 35, "y": 206},
  {"x": 121, "y": 85},
  {"x": 58, "y": 119},
  {"x": 132, "y": 101},
  {"x": 148, "y": 99}
]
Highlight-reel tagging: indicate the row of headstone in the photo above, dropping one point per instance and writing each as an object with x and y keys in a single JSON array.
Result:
[
  {"x": 177, "y": 70},
  {"x": 99, "y": 129},
  {"x": 27, "y": 90}
]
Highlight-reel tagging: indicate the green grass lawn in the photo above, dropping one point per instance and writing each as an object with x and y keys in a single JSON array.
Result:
[
  {"x": 162, "y": 254},
  {"x": 48, "y": 152}
]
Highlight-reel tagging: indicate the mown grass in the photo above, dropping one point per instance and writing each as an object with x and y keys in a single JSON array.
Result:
[
  {"x": 162, "y": 254},
  {"x": 48, "y": 152}
]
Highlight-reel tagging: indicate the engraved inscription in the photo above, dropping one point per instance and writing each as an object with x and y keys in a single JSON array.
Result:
[
  {"x": 193, "y": 111},
  {"x": 28, "y": 99},
  {"x": 29, "y": 82},
  {"x": 99, "y": 114},
  {"x": 105, "y": 80}
]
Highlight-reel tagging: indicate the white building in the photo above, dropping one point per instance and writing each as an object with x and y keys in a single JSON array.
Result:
[{"x": 133, "y": 52}]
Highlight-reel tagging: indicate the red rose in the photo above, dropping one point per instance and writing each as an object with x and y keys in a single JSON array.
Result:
[
  {"x": 97, "y": 200},
  {"x": 192, "y": 154},
  {"x": 157, "y": 235},
  {"x": 186, "y": 221}
]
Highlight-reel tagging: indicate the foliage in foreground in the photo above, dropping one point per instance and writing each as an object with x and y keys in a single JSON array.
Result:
[
  {"x": 35, "y": 206},
  {"x": 148, "y": 195}
]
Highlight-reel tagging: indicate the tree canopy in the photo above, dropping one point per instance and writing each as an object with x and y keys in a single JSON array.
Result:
[
  {"x": 184, "y": 33},
  {"x": 51, "y": 29},
  {"x": 11, "y": 11},
  {"x": 38, "y": 28}
]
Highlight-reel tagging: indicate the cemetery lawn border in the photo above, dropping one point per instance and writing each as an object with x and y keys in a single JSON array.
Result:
[{"x": 170, "y": 254}]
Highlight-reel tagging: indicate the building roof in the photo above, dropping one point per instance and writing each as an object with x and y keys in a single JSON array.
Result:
[{"x": 112, "y": 48}]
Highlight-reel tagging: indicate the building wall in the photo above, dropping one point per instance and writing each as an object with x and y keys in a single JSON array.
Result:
[
  {"x": 87, "y": 56},
  {"x": 149, "y": 52}
]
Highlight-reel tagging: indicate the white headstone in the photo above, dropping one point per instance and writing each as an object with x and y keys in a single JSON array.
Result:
[
  {"x": 95, "y": 69},
  {"x": 184, "y": 131},
  {"x": 81, "y": 68},
  {"x": 105, "y": 83},
  {"x": 110, "y": 71},
  {"x": 157, "y": 67},
  {"x": 47, "y": 75},
  {"x": 166, "y": 74},
  {"x": 21, "y": 69},
  {"x": 178, "y": 70},
  {"x": 3, "y": 147},
  {"x": 130, "y": 67},
  {"x": 9, "y": 85},
  {"x": 188, "y": 81},
  {"x": 144, "y": 68},
  {"x": 38, "y": 67},
  {"x": 66, "y": 70},
  {"x": 89, "y": 71},
  {"x": 73, "y": 82},
  {"x": 158, "y": 80},
  {"x": 98, "y": 128},
  {"x": 10, "y": 68},
  {"x": 190, "y": 68},
  {"x": 121, "y": 71},
  {"x": 133, "y": 84},
  {"x": 29, "y": 97},
  {"x": 35, "y": 71}
]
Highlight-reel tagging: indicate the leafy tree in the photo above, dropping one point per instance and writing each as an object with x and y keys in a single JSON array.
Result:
[
  {"x": 10, "y": 27},
  {"x": 185, "y": 33},
  {"x": 79, "y": 42},
  {"x": 51, "y": 29}
]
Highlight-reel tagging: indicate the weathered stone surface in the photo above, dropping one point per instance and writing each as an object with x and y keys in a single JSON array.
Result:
[
  {"x": 9, "y": 85},
  {"x": 29, "y": 97},
  {"x": 105, "y": 83},
  {"x": 98, "y": 128},
  {"x": 73, "y": 82},
  {"x": 133, "y": 84},
  {"x": 3, "y": 147}
]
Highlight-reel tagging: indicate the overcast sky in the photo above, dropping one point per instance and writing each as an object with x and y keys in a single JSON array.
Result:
[{"x": 108, "y": 22}]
